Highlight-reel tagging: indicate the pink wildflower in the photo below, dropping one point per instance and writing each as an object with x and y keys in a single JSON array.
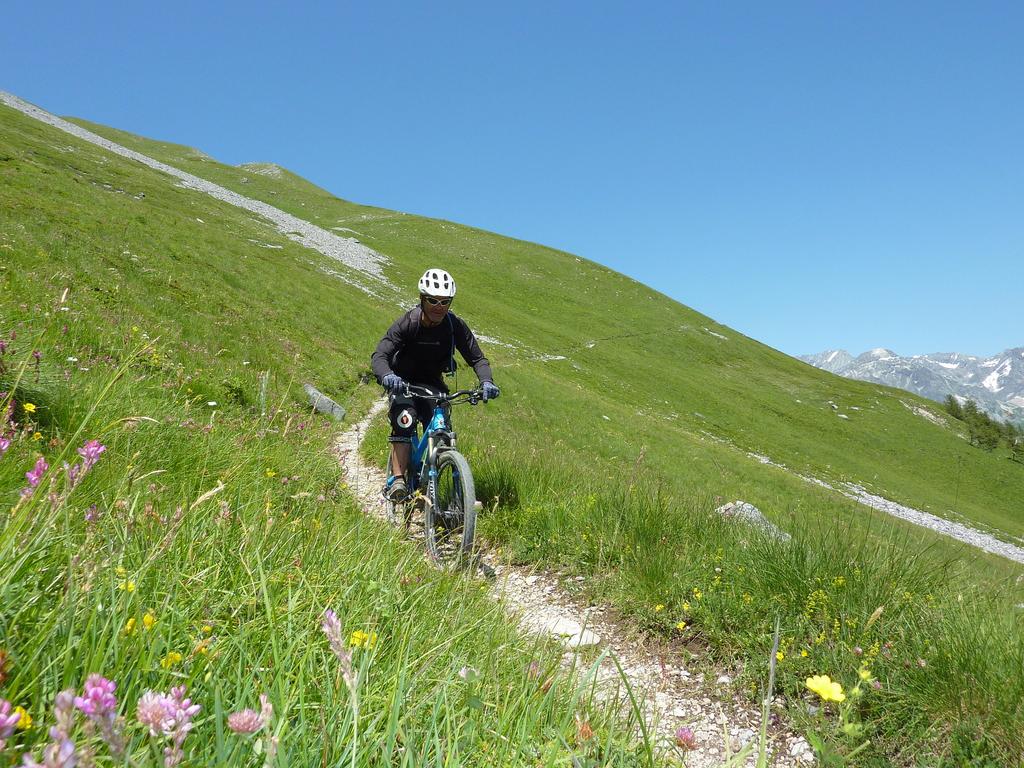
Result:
[
  {"x": 182, "y": 710},
  {"x": 168, "y": 715},
  {"x": 100, "y": 704},
  {"x": 35, "y": 475},
  {"x": 8, "y": 720},
  {"x": 152, "y": 711},
  {"x": 90, "y": 453},
  {"x": 686, "y": 739},
  {"x": 60, "y": 753},
  {"x": 245, "y": 722},
  {"x": 332, "y": 628},
  {"x": 64, "y": 713},
  {"x": 99, "y": 699},
  {"x": 5, "y": 443}
]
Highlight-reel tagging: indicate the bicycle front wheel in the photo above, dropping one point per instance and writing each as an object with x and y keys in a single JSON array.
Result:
[{"x": 450, "y": 516}]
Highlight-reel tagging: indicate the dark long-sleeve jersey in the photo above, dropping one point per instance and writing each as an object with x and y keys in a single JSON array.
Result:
[{"x": 420, "y": 354}]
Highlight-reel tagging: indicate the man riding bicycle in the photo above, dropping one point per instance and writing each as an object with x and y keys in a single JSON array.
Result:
[{"x": 417, "y": 349}]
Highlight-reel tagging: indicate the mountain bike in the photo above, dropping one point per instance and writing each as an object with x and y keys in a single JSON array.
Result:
[{"x": 440, "y": 481}]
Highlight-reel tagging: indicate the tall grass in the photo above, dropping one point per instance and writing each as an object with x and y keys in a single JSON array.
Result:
[
  {"x": 202, "y": 549},
  {"x": 944, "y": 655}
]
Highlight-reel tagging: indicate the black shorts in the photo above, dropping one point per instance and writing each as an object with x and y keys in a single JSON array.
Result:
[{"x": 405, "y": 412}]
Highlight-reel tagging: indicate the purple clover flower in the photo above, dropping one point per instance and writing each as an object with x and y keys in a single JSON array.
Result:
[
  {"x": 249, "y": 720},
  {"x": 168, "y": 715},
  {"x": 5, "y": 443},
  {"x": 686, "y": 739},
  {"x": 245, "y": 722},
  {"x": 182, "y": 710},
  {"x": 152, "y": 711}
]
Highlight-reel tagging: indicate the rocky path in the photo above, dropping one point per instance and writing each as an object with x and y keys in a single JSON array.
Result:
[{"x": 672, "y": 694}]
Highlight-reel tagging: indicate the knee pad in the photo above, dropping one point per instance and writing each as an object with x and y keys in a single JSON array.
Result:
[{"x": 403, "y": 421}]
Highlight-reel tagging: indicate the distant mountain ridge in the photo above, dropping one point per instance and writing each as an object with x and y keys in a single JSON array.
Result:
[{"x": 995, "y": 383}]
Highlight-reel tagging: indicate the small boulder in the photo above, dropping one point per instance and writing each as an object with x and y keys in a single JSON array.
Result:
[
  {"x": 748, "y": 513},
  {"x": 322, "y": 403}
]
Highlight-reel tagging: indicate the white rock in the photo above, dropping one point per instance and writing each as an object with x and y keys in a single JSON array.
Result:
[
  {"x": 743, "y": 736},
  {"x": 584, "y": 639},
  {"x": 724, "y": 680},
  {"x": 562, "y": 627},
  {"x": 800, "y": 749}
]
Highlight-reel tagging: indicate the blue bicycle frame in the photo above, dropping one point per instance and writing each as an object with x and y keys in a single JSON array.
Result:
[{"x": 438, "y": 423}]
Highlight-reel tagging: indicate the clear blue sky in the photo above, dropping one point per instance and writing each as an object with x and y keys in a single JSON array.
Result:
[{"x": 815, "y": 174}]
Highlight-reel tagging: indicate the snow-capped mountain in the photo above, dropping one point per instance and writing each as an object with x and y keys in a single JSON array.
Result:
[{"x": 996, "y": 383}]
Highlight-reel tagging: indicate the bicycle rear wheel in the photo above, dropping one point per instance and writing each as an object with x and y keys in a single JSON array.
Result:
[{"x": 450, "y": 516}]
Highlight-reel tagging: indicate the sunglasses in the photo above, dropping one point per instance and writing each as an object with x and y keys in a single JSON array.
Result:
[{"x": 437, "y": 302}]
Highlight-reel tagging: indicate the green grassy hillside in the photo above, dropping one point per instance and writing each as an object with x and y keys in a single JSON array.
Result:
[{"x": 625, "y": 418}]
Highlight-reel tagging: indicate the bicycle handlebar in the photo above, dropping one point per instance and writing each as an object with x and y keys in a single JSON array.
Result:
[{"x": 472, "y": 396}]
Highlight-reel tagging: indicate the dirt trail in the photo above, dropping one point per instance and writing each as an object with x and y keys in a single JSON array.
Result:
[{"x": 672, "y": 694}]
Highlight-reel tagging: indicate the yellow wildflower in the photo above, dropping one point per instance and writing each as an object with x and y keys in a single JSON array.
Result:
[
  {"x": 24, "y": 719},
  {"x": 747, "y": 598},
  {"x": 171, "y": 659},
  {"x": 270, "y": 473},
  {"x": 360, "y": 639},
  {"x": 697, "y": 594},
  {"x": 206, "y": 629},
  {"x": 804, "y": 654},
  {"x": 37, "y": 436},
  {"x": 864, "y": 673},
  {"x": 120, "y": 571},
  {"x": 681, "y": 626},
  {"x": 826, "y": 688},
  {"x": 779, "y": 655},
  {"x": 129, "y": 626},
  {"x": 29, "y": 407},
  {"x": 148, "y": 620},
  {"x": 659, "y": 608},
  {"x": 127, "y": 586},
  {"x": 686, "y": 607}
]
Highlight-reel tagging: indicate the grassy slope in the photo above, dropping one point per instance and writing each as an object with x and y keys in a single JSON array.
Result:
[
  {"x": 737, "y": 389},
  {"x": 157, "y": 352},
  {"x": 553, "y": 416}
]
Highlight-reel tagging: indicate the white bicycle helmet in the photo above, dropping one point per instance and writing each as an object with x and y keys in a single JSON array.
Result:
[{"x": 437, "y": 282}]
